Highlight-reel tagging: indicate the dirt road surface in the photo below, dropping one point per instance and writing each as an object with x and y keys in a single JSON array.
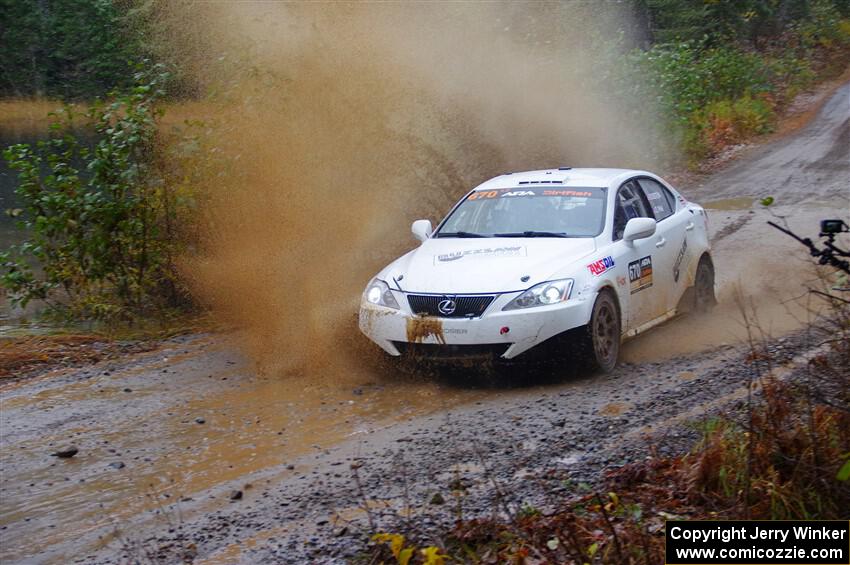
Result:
[{"x": 168, "y": 438}]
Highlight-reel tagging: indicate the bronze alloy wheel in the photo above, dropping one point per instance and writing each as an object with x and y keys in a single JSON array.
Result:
[{"x": 605, "y": 332}]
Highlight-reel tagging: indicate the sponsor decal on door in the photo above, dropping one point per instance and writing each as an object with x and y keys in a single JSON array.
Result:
[
  {"x": 678, "y": 263},
  {"x": 640, "y": 274}
]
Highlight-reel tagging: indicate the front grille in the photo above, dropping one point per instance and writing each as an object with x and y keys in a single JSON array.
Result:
[{"x": 468, "y": 306}]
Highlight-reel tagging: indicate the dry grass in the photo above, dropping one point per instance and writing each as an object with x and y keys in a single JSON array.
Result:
[
  {"x": 780, "y": 466},
  {"x": 24, "y": 356}
]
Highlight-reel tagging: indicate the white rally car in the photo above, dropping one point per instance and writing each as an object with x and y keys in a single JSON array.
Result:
[{"x": 587, "y": 256}]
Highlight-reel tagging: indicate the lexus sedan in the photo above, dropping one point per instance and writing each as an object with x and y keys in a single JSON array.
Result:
[{"x": 588, "y": 256}]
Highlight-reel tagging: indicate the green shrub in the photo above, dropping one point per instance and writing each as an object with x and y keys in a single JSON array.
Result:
[
  {"x": 713, "y": 96},
  {"x": 726, "y": 122},
  {"x": 709, "y": 96},
  {"x": 791, "y": 74},
  {"x": 689, "y": 78},
  {"x": 825, "y": 28},
  {"x": 101, "y": 218}
]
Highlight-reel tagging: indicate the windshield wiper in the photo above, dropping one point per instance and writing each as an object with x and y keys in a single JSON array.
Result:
[
  {"x": 461, "y": 234},
  {"x": 531, "y": 234}
]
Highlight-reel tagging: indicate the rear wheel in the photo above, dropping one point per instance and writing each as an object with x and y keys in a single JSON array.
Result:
[
  {"x": 602, "y": 334},
  {"x": 704, "y": 299}
]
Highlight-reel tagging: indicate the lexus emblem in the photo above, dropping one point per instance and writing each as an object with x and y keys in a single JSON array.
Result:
[{"x": 447, "y": 307}]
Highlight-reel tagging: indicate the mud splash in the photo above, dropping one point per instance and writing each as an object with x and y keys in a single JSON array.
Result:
[
  {"x": 420, "y": 329},
  {"x": 336, "y": 125},
  {"x": 751, "y": 278}
]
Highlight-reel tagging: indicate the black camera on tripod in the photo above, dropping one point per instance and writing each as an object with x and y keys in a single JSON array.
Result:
[
  {"x": 831, "y": 254},
  {"x": 833, "y": 227}
]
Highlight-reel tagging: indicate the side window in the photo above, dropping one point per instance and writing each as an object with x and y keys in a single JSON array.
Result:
[
  {"x": 660, "y": 199},
  {"x": 630, "y": 204}
]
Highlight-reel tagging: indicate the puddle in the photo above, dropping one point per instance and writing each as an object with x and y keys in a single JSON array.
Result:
[
  {"x": 188, "y": 425},
  {"x": 730, "y": 204}
]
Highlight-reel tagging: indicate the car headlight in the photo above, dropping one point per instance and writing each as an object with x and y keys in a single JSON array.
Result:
[
  {"x": 543, "y": 294},
  {"x": 378, "y": 292}
]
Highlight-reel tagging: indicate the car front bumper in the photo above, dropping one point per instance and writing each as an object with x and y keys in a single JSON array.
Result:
[{"x": 512, "y": 331}]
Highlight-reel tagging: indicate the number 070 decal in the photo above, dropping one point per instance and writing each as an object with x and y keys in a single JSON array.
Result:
[{"x": 640, "y": 274}]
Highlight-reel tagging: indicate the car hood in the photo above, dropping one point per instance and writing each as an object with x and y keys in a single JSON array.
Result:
[{"x": 481, "y": 265}]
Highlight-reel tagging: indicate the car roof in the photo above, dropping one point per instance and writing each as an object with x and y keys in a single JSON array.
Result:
[{"x": 564, "y": 176}]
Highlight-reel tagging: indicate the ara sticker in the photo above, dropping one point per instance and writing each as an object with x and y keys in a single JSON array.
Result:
[
  {"x": 602, "y": 265},
  {"x": 678, "y": 263},
  {"x": 640, "y": 274}
]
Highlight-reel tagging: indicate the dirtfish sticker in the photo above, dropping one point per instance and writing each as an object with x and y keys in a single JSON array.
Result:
[
  {"x": 678, "y": 263},
  {"x": 602, "y": 265},
  {"x": 516, "y": 251},
  {"x": 640, "y": 274}
]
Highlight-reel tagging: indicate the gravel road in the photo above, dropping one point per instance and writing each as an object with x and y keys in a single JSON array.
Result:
[{"x": 185, "y": 452}]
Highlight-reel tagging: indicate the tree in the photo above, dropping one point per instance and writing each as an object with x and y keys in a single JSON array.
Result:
[{"x": 70, "y": 49}]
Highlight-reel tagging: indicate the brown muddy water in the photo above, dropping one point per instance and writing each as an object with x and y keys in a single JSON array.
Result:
[
  {"x": 726, "y": 204},
  {"x": 182, "y": 421}
]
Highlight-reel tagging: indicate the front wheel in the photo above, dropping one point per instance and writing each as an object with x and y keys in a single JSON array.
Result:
[{"x": 602, "y": 334}]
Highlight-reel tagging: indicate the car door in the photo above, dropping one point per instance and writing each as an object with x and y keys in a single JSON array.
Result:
[
  {"x": 671, "y": 241},
  {"x": 641, "y": 298}
]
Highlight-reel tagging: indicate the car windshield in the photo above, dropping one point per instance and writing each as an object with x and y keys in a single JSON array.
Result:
[{"x": 528, "y": 212}]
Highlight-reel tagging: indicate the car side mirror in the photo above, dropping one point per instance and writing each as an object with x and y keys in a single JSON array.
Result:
[
  {"x": 639, "y": 228},
  {"x": 421, "y": 229}
]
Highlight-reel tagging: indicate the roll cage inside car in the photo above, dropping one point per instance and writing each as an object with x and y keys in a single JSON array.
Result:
[{"x": 641, "y": 197}]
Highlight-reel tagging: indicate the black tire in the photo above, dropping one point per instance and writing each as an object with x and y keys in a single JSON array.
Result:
[
  {"x": 703, "y": 296},
  {"x": 602, "y": 335}
]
